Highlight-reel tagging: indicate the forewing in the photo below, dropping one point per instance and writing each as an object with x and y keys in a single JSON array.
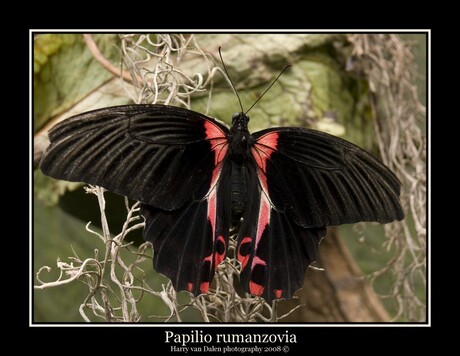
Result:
[
  {"x": 159, "y": 155},
  {"x": 191, "y": 242},
  {"x": 322, "y": 180},
  {"x": 273, "y": 250}
]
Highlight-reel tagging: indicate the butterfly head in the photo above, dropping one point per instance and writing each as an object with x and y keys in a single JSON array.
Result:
[{"x": 240, "y": 121}]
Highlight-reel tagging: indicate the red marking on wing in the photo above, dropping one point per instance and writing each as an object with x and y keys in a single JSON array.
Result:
[
  {"x": 212, "y": 130},
  {"x": 219, "y": 257},
  {"x": 264, "y": 217},
  {"x": 212, "y": 200},
  {"x": 270, "y": 140},
  {"x": 263, "y": 181},
  {"x": 204, "y": 287},
  {"x": 255, "y": 288},
  {"x": 244, "y": 261},
  {"x": 263, "y": 149},
  {"x": 218, "y": 140},
  {"x": 246, "y": 240},
  {"x": 278, "y": 293},
  {"x": 189, "y": 286},
  {"x": 244, "y": 258},
  {"x": 221, "y": 150},
  {"x": 219, "y": 146},
  {"x": 262, "y": 222},
  {"x": 212, "y": 217},
  {"x": 258, "y": 261}
]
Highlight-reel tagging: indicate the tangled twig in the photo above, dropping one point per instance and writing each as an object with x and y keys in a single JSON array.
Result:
[{"x": 388, "y": 64}]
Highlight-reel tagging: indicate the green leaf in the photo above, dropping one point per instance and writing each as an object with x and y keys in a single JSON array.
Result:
[{"x": 65, "y": 72}]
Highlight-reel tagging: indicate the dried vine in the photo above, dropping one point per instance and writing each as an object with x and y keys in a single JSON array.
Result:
[{"x": 389, "y": 66}]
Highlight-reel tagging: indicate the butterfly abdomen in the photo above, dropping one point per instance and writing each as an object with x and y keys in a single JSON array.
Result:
[{"x": 239, "y": 191}]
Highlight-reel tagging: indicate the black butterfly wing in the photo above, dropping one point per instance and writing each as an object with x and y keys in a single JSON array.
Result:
[
  {"x": 273, "y": 250},
  {"x": 189, "y": 243},
  {"x": 320, "y": 180},
  {"x": 171, "y": 159},
  {"x": 159, "y": 155},
  {"x": 300, "y": 181}
]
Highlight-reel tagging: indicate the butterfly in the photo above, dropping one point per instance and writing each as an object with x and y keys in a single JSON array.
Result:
[{"x": 196, "y": 178}]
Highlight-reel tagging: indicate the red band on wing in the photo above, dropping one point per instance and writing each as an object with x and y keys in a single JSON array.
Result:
[
  {"x": 212, "y": 217},
  {"x": 218, "y": 141},
  {"x": 213, "y": 131},
  {"x": 263, "y": 219},
  {"x": 212, "y": 199},
  {"x": 269, "y": 140},
  {"x": 219, "y": 145},
  {"x": 263, "y": 149}
]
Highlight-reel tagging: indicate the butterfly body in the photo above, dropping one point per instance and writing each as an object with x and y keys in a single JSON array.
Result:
[
  {"x": 239, "y": 191},
  {"x": 196, "y": 178}
]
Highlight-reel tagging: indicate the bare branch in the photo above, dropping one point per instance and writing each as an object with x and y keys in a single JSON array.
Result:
[{"x": 92, "y": 47}]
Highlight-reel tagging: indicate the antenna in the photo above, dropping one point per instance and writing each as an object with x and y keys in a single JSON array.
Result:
[
  {"x": 260, "y": 97},
  {"x": 234, "y": 89},
  {"x": 233, "y": 85}
]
